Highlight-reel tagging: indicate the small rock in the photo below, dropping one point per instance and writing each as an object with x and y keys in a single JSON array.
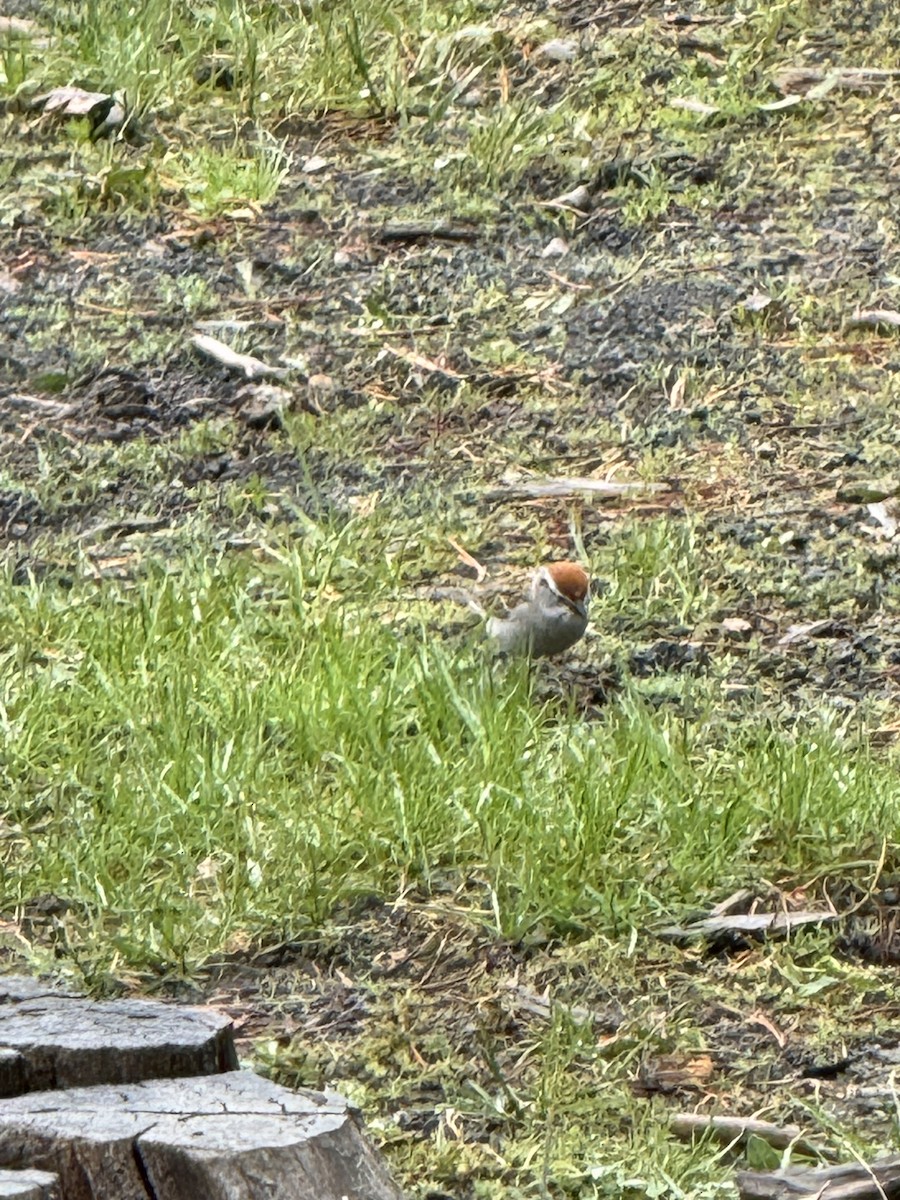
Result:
[
  {"x": 556, "y": 248},
  {"x": 473, "y": 98},
  {"x": 558, "y": 50},
  {"x": 262, "y": 405},
  {"x": 578, "y": 198},
  {"x": 737, "y": 628}
]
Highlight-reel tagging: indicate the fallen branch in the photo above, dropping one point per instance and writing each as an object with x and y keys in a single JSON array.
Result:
[
  {"x": 536, "y": 489},
  {"x": 872, "y": 318},
  {"x": 814, "y": 82},
  {"x": 250, "y": 367},
  {"x": 737, "y": 1131},
  {"x": 781, "y": 922},
  {"x": 420, "y": 231},
  {"x": 857, "y": 1181},
  {"x": 50, "y": 410}
]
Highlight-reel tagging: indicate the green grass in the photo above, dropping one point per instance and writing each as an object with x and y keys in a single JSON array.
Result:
[
  {"x": 236, "y": 749},
  {"x": 233, "y": 747}
]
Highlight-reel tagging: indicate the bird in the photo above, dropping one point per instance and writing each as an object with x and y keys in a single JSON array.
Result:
[{"x": 553, "y": 616}]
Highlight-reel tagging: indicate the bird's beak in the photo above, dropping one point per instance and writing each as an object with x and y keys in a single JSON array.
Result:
[{"x": 579, "y": 607}]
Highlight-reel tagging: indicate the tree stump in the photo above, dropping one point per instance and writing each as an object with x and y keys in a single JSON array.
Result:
[{"x": 137, "y": 1100}]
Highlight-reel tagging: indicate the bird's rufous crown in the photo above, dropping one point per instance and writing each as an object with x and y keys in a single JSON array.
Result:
[{"x": 569, "y": 579}]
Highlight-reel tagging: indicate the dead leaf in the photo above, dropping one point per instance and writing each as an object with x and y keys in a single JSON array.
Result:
[
  {"x": 364, "y": 506},
  {"x": 672, "y": 1072},
  {"x": 208, "y": 868},
  {"x": 815, "y": 83},
  {"x": 761, "y": 923},
  {"x": 777, "y": 105},
  {"x": 118, "y": 565},
  {"x": 739, "y": 899},
  {"x": 503, "y": 80},
  {"x": 320, "y": 384}
]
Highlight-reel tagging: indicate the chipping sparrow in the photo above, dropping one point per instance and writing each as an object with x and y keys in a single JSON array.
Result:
[{"x": 551, "y": 619}]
